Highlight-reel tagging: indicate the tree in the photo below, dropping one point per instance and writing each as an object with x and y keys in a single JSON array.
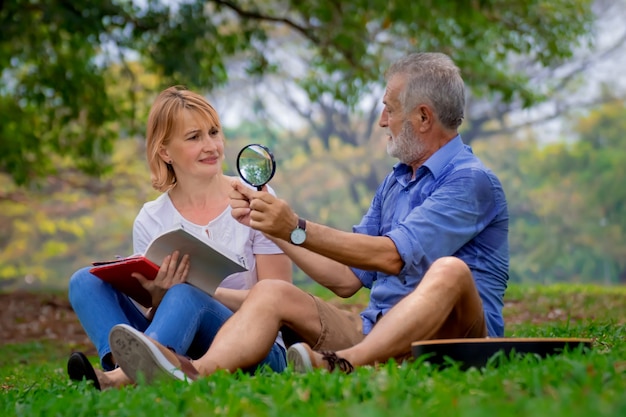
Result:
[
  {"x": 60, "y": 105},
  {"x": 53, "y": 99},
  {"x": 70, "y": 222},
  {"x": 566, "y": 199},
  {"x": 583, "y": 81},
  {"x": 567, "y": 85},
  {"x": 70, "y": 219}
]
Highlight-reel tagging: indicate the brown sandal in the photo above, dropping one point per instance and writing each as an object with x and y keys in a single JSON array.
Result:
[{"x": 335, "y": 361}]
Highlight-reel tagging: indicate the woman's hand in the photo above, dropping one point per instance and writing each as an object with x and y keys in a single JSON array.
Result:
[
  {"x": 240, "y": 197},
  {"x": 170, "y": 273}
]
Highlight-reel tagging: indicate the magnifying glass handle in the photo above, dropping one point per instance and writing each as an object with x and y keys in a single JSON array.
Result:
[{"x": 259, "y": 188}]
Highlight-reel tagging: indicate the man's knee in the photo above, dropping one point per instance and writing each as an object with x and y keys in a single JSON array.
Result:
[
  {"x": 450, "y": 265},
  {"x": 273, "y": 290},
  {"x": 451, "y": 279},
  {"x": 450, "y": 274}
]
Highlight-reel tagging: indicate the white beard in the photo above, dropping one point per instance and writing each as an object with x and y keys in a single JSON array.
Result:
[{"x": 407, "y": 147}]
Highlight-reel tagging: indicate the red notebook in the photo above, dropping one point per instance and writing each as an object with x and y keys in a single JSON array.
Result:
[
  {"x": 118, "y": 273},
  {"x": 209, "y": 264}
]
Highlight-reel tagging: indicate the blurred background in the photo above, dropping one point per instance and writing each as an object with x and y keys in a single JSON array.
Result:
[{"x": 546, "y": 111}]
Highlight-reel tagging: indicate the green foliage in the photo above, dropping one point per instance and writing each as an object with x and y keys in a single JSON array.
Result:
[
  {"x": 575, "y": 383},
  {"x": 69, "y": 223},
  {"x": 55, "y": 97},
  {"x": 567, "y": 202}
]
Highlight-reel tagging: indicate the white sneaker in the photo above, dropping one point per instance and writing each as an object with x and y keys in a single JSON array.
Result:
[
  {"x": 141, "y": 356},
  {"x": 299, "y": 355}
]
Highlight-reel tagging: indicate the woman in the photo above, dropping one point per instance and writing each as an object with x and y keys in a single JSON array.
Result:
[{"x": 185, "y": 151}]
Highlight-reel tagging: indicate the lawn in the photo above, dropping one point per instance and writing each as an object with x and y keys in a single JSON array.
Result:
[{"x": 33, "y": 381}]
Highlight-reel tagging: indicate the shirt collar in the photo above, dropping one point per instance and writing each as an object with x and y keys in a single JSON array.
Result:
[
  {"x": 437, "y": 161},
  {"x": 440, "y": 159}
]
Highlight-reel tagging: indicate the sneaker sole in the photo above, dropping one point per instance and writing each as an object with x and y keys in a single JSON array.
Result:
[
  {"x": 298, "y": 356},
  {"x": 139, "y": 357}
]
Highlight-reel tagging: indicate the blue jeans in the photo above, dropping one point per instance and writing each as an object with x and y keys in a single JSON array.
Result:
[{"x": 187, "y": 319}]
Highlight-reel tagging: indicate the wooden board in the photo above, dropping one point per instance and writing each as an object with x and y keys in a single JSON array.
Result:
[{"x": 477, "y": 352}]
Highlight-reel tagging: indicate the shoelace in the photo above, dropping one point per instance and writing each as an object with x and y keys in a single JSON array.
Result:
[{"x": 335, "y": 361}]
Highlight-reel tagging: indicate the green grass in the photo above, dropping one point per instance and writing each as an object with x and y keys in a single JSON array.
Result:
[{"x": 33, "y": 381}]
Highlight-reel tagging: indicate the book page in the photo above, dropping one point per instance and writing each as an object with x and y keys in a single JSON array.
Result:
[{"x": 209, "y": 262}]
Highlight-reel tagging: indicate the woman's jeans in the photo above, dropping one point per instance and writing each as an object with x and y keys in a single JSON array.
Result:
[{"x": 187, "y": 319}]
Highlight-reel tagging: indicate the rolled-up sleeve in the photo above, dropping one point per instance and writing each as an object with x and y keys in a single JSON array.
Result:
[{"x": 444, "y": 221}]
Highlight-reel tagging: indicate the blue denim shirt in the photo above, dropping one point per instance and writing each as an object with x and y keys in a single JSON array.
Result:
[{"x": 455, "y": 206}]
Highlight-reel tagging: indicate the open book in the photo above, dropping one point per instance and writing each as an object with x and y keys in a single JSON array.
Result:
[{"x": 209, "y": 263}]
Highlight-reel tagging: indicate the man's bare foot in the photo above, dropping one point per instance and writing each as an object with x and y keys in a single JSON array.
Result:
[{"x": 305, "y": 359}]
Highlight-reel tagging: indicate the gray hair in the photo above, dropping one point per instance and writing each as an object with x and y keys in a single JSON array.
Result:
[{"x": 433, "y": 79}]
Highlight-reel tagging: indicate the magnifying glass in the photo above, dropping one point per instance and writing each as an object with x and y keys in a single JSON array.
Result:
[{"x": 256, "y": 165}]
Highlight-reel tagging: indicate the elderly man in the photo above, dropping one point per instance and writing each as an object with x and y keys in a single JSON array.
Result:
[{"x": 433, "y": 249}]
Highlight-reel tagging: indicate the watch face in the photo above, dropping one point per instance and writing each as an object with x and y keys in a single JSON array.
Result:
[{"x": 298, "y": 236}]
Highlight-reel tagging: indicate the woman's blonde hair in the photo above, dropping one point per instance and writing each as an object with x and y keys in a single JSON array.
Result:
[{"x": 162, "y": 123}]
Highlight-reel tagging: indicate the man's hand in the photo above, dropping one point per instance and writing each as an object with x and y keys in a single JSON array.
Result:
[
  {"x": 262, "y": 211},
  {"x": 170, "y": 273}
]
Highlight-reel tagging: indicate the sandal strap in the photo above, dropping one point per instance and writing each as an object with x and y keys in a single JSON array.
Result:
[
  {"x": 185, "y": 365},
  {"x": 335, "y": 361}
]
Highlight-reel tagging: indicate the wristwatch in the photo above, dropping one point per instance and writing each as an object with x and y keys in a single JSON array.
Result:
[{"x": 298, "y": 235}]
